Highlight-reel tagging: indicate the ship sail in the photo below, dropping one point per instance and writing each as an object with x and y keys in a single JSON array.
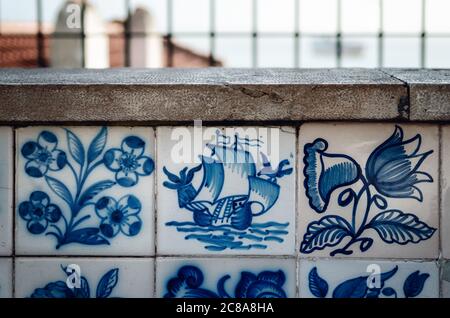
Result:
[
  {"x": 238, "y": 165},
  {"x": 264, "y": 192},
  {"x": 212, "y": 182}
]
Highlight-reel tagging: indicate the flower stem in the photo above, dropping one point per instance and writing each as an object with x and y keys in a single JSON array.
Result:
[{"x": 366, "y": 186}]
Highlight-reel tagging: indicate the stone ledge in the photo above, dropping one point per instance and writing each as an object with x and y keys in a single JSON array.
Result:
[
  {"x": 214, "y": 94},
  {"x": 429, "y": 92}
]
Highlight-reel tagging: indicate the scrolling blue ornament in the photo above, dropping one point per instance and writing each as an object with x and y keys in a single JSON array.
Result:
[
  {"x": 392, "y": 169},
  {"x": 189, "y": 280},
  {"x": 358, "y": 287},
  {"x": 116, "y": 215}
]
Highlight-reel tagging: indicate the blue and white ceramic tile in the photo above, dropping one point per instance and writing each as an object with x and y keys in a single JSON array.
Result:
[
  {"x": 368, "y": 279},
  {"x": 84, "y": 278},
  {"x": 5, "y": 277},
  {"x": 231, "y": 193},
  {"x": 445, "y": 279},
  {"x": 6, "y": 175},
  {"x": 445, "y": 188},
  {"x": 368, "y": 190},
  {"x": 85, "y": 191},
  {"x": 225, "y": 278}
]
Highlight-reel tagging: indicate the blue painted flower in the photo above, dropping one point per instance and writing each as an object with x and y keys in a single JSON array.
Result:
[
  {"x": 43, "y": 155},
  {"x": 266, "y": 284},
  {"x": 393, "y": 167},
  {"x": 325, "y": 173},
  {"x": 38, "y": 212},
  {"x": 56, "y": 289},
  {"x": 119, "y": 215},
  {"x": 128, "y": 162},
  {"x": 187, "y": 284}
]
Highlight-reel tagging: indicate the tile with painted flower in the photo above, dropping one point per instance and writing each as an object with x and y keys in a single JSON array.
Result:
[
  {"x": 368, "y": 190},
  {"x": 84, "y": 278},
  {"x": 225, "y": 278},
  {"x": 85, "y": 191},
  {"x": 368, "y": 279},
  {"x": 226, "y": 190}
]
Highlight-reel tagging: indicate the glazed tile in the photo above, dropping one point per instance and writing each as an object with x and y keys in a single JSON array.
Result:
[
  {"x": 445, "y": 279},
  {"x": 365, "y": 279},
  {"x": 84, "y": 278},
  {"x": 187, "y": 187},
  {"x": 6, "y": 188},
  {"x": 445, "y": 190},
  {"x": 6, "y": 277},
  {"x": 343, "y": 164},
  {"x": 85, "y": 191},
  {"x": 221, "y": 278}
]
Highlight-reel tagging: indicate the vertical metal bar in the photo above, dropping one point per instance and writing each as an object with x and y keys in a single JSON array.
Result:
[
  {"x": 212, "y": 30},
  {"x": 380, "y": 35},
  {"x": 423, "y": 36},
  {"x": 83, "y": 35},
  {"x": 254, "y": 33},
  {"x": 170, "y": 48},
  {"x": 40, "y": 36},
  {"x": 339, "y": 34},
  {"x": 127, "y": 34},
  {"x": 297, "y": 33}
]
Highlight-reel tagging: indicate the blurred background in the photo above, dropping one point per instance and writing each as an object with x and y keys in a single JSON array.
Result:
[{"x": 229, "y": 33}]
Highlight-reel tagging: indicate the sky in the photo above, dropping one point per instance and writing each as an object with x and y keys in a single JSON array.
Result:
[{"x": 316, "y": 17}]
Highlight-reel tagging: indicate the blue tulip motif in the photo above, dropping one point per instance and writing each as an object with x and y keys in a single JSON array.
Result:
[
  {"x": 325, "y": 172},
  {"x": 392, "y": 169}
]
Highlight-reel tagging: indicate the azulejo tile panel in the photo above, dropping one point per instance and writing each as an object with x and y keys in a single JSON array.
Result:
[
  {"x": 368, "y": 190},
  {"x": 226, "y": 191},
  {"x": 368, "y": 279},
  {"x": 84, "y": 278},
  {"x": 85, "y": 191},
  {"x": 6, "y": 277},
  {"x": 225, "y": 278},
  {"x": 6, "y": 189}
]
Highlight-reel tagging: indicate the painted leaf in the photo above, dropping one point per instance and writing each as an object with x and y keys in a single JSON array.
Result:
[
  {"x": 394, "y": 226},
  {"x": 352, "y": 288},
  {"x": 413, "y": 285},
  {"x": 388, "y": 291},
  {"x": 87, "y": 236},
  {"x": 83, "y": 291},
  {"x": 60, "y": 189},
  {"x": 317, "y": 285},
  {"x": 95, "y": 189},
  {"x": 97, "y": 145},
  {"x": 328, "y": 231},
  {"x": 75, "y": 147},
  {"x": 107, "y": 283}
]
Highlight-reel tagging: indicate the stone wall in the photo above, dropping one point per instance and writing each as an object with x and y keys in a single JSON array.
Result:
[{"x": 297, "y": 183}]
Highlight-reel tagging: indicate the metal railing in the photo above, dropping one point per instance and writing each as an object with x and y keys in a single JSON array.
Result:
[{"x": 213, "y": 34}]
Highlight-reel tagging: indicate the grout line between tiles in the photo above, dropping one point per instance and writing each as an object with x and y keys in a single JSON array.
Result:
[{"x": 155, "y": 208}]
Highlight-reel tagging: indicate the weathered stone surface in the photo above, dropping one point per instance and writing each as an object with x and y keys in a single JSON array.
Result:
[
  {"x": 174, "y": 95},
  {"x": 429, "y": 92}
]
